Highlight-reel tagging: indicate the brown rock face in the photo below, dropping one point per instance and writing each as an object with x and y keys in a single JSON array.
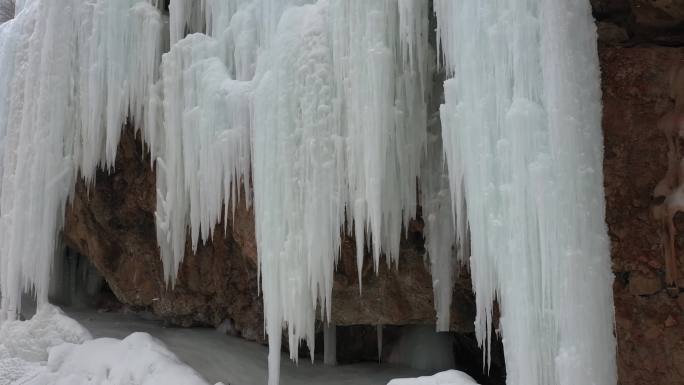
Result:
[{"x": 635, "y": 96}]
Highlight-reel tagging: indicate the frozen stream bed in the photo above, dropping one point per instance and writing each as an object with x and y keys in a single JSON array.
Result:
[{"x": 231, "y": 360}]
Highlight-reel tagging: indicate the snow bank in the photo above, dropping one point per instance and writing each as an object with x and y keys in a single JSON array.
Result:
[
  {"x": 450, "y": 377},
  {"x": 53, "y": 349},
  {"x": 138, "y": 359},
  {"x": 30, "y": 340}
]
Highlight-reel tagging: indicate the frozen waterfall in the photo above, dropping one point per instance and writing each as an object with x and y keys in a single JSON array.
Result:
[{"x": 316, "y": 115}]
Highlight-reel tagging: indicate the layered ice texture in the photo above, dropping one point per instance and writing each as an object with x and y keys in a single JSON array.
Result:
[{"x": 315, "y": 114}]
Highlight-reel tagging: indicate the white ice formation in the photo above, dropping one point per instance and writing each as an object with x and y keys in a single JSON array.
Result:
[
  {"x": 71, "y": 73},
  {"x": 315, "y": 113},
  {"x": 522, "y": 135}
]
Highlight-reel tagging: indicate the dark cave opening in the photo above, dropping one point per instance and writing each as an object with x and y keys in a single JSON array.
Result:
[
  {"x": 76, "y": 283},
  {"x": 415, "y": 346}
]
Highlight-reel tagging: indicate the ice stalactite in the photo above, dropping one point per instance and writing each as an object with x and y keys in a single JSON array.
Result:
[
  {"x": 444, "y": 251},
  {"x": 117, "y": 67},
  {"x": 522, "y": 134},
  {"x": 71, "y": 73},
  {"x": 203, "y": 149}
]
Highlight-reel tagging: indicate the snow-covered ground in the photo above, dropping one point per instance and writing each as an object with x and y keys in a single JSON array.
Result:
[
  {"x": 87, "y": 347},
  {"x": 53, "y": 349},
  {"x": 235, "y": 361},
  {"x": 450, "y": 377}
]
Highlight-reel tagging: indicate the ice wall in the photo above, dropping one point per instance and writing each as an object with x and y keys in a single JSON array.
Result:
[
  {"x": 71, "y": 73},
  {"x": 522, "y": 134}
]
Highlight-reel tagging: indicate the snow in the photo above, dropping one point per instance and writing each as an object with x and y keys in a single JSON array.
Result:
[
  {"x": 138, "y": 359},
  {"x": 53, "y": 349},
  {"x": 450, "y": 377},
  {"x": 30, "y": 340},
  {"x": 522, "y": 136}
]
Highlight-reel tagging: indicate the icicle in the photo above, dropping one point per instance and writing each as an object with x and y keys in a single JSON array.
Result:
[
  {"x": 383, "y": 108},
  {"x": 522, "y": 135},
  {"x": 118, "y": 69},
  {"x": 443, "y": 249}
]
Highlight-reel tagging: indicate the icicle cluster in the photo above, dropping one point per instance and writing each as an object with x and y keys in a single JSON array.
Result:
[
  {"x": 338, "y": 98},
  {"x": 71, "y": 73},
  {"x": 522, "y": 134},
  {"x": 203, "y": 150}
]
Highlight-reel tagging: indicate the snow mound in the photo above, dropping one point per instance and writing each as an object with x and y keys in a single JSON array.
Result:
[
  {"x": 30, "y": 340},
  {"x": 138, "y": 359},
  {"x": 53, "y": 349},
  {"x": 450, "y": 377}
]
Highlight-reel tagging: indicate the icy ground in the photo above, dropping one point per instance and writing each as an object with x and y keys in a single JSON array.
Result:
[
  {"x": 235, "y": 361},
  {"x": 129, "y": 349},
  {"x": 54, "y": 348}
]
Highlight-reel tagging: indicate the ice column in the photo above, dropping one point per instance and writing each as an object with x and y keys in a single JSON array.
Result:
[{"x": 522, "y": 135}]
